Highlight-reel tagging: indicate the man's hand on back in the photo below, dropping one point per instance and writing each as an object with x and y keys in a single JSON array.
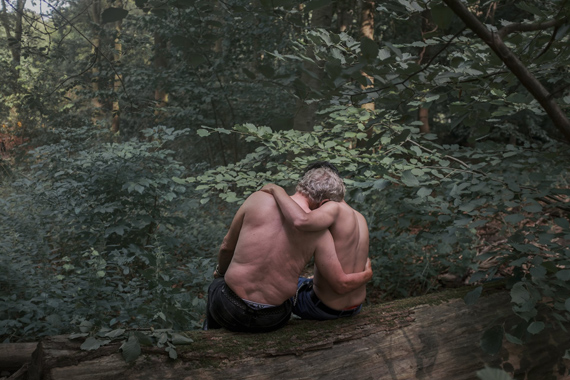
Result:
[{"x": 269, "y": 188}]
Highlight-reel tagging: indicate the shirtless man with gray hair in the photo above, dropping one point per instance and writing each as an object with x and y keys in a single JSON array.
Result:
[{"x": 260, "y": 261}]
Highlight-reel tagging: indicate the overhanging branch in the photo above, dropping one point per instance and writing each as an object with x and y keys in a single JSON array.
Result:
[
  {"x": 511, "y": 28},
  {"x": 527, "y": 79}
]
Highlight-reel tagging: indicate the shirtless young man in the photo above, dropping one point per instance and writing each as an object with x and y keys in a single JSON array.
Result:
[
  {"x": 317, "y": 298},
  {"x": 259, "y": 262}
]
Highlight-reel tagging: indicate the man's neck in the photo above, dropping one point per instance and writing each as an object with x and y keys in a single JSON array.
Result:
[{"x": 302, "y": 201}]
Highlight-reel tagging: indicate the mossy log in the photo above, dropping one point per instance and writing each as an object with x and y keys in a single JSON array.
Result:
[{"x": 430, "y": 337}]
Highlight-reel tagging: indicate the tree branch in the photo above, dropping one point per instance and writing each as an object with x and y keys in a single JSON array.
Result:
[
  {"x": 512, "y": 28},
  {"x": 527, "y": 79}
]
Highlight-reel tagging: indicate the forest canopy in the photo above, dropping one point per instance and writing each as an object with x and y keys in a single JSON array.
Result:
[{"x": 131, "y": 130}]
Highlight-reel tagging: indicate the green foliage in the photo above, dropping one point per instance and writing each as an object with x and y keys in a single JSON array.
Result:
[
  {"x": 113, "y": 233},
  {"x": 105, "y": 233},
  {"x": 493, "y": 374}
]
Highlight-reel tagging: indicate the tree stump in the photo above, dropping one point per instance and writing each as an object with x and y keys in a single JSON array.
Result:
[{"x": 430, "y": 337}]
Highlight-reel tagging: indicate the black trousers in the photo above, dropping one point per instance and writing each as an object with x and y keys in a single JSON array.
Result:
[{"x": 226, "y": 309}]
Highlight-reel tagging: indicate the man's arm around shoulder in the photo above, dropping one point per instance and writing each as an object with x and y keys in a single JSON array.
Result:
[{"x": 316, "y": 220}]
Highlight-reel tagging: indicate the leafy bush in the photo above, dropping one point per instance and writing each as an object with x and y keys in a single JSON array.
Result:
[{"x": 107, "y": 234}]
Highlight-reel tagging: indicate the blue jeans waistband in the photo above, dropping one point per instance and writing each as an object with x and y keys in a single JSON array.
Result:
[{"x": 319, "y": 304}]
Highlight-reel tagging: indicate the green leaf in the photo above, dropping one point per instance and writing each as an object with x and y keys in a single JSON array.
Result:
[
  {"x": 85, "y": 326},
  {"x": 519, "y": 294},
  {"x": 409, "y": 179},
  {"x": 562, "y": 222},
  {"x": 93, "y": 344},
  {"x": 533, "y": 208},
  {"x": 513, "y": 339},
  {"x": 424, "y": 192},
  {"x": 381, "y": 184},
  {"x": 78, "y": 335},
  {"x": 492, "y": 340},
  {"x": 172, "y": 354},
  {"x": 131, "y": 349},
  {"x": 563, "y": 275},
  {"x": 119, "y": 230},
  {"x": 179, "y": 339},
  {"x": 472, "y": 297},
  {"x": 113, "y": 14},
  {"x": 514, "y": 218},
  {"x": 535, "y": 327},
  {"x": 115, "y": 333},
  {"x": 567, "y": 304},
  {"x": 493, "y": 374},
  {"x": 203, "y": 132},
  {"x": 401, "y": 137},
  {"x": 538, "y": 272}
]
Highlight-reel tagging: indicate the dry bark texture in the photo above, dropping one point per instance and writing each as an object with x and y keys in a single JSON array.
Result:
[
  {"x": 15, "y": 355},
  {"x": 397, "y": 340}
]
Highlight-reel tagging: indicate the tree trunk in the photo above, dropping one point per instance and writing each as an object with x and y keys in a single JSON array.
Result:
[
  {"x": 115, "y": 124},
  {"x": 427, "y": 26},
  {"x": 15, "y": 46},
  {"x": 95, "y": 12},
  {"x": 305, "y": 116},
  {"x": 430, "y": 337},
  {"x": 15, "y": 41},
  {"x": 344, "y": 13},
  {"x": 527, "y": 79},
  {"x": 160, "y": 65},
  {"x": 367, "y": 30}
]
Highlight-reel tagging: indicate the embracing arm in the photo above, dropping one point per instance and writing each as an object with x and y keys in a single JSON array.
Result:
[
  {"x": 328, "y": 265},
  {"x": 229, "y": 243},
  {"x": 316, "y": 220}
]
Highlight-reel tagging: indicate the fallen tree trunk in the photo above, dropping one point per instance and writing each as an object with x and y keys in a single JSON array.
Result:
[
  {"x": 429, "y": 337},
  {"x": 14, "y": 355}
]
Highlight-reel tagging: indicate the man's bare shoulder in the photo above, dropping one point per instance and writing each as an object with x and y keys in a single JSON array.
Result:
[
  {"x": 259, "y": 201},
  {"x": 260, "y": 196}
]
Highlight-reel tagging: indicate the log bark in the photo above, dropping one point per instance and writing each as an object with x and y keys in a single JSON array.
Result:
[
  {"x": 15, "y": 355},
  {"x": 431, "y": 337}
]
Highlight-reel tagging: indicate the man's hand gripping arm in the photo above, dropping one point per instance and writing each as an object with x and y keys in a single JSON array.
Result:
[{"x": 318, "y": 219}]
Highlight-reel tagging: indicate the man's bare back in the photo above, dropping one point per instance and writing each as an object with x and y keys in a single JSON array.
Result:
[{"x": 350, "y": 235}]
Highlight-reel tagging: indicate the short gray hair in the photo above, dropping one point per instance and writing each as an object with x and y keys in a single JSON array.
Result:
[{"x": 320, "y": 184}]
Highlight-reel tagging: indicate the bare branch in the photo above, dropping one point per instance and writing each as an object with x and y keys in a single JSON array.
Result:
[{"x": 512, "y": 28}]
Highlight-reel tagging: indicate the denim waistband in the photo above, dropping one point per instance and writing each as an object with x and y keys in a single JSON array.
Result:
[
  {"x": 319, "y": 304},
  {"x": 239, "y": 302}
]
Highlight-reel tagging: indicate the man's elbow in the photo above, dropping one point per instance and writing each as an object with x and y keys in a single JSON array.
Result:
[
  {"x": 301, "y": 223},
  {"x": 226, "y": 248}
]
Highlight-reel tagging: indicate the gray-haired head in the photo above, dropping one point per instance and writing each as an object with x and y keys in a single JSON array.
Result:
[{"x": 319, "y": 184}]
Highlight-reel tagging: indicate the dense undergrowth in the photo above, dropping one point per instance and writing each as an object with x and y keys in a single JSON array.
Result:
[{"x": 120, "y": 235}]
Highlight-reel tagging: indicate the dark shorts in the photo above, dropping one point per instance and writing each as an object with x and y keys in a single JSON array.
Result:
[
  {"x": 309, "y": 306},
  {"x": 226, "y": 309}
]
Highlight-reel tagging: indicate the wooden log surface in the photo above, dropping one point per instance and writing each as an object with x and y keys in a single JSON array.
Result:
[
  {"x": 14, "y": 355},
  {"x": 435, "y": 338}
]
